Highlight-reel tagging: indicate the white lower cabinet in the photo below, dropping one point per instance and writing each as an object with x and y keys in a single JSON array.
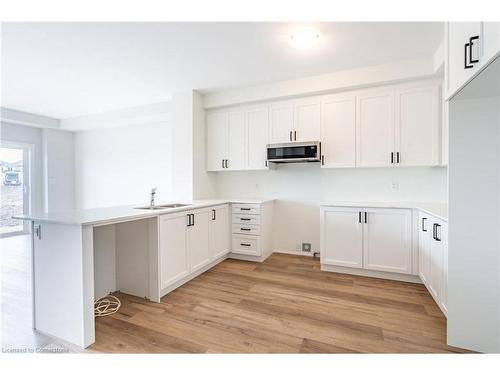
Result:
[
  {"x": 342, "y": 237},
  {"x": 377, "y": 239},
  {"x": 190, "y": 241},
  {"x": 433, "y": 257},
  {"x": 174, "y": 253},
  {"x": 198, "y": 240},
  {"x": 387, "y": 242},
  {"x": 219, "y": 237}
]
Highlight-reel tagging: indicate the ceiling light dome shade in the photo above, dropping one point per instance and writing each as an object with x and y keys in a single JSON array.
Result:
[{"x": 304, "y": 38}]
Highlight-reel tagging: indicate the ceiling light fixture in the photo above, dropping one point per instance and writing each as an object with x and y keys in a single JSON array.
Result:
[{"x": 304, "y": 38}]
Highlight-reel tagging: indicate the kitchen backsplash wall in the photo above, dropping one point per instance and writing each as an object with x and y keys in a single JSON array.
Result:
[{"x": 299, "y": 188}]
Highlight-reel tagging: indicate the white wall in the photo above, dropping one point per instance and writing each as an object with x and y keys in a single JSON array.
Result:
[
  {"x": 59, "y": 176},
  {"x": 300, "y": 188},
  {"x": 119, "y": 166}
]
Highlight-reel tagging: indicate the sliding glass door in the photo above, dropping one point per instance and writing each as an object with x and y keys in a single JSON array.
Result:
[{"x": 15, "y": 187}]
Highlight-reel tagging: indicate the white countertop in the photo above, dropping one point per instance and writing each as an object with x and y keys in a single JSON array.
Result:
[
  {"x": 110, "y": 215},
  {"x": 439, "y": 210}
]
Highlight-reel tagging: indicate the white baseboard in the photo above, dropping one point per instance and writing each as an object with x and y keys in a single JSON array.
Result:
[{"x": 371, "y": 273}]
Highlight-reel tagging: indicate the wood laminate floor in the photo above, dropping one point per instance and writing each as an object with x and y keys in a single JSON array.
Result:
[{"x": 284, "y": 305}]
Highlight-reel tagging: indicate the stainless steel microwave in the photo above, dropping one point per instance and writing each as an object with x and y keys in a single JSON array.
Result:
[{"x": 294, "y": 152}]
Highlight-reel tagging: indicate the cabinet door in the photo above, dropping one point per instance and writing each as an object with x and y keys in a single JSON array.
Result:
[
  {"x": 219, "y": 232},
  {"x": 216, "y": 140},
  {"x": 374, "y": 129},
  {"x": 436, "y": 261},
  {"x": 338, "y": 131},
  {"x": 198, "y": 240},
  {"x": 306, "y": 120},
  {"x": 387, "y": 240},
  {"x": 236, "y": 141},
  {"x": 281, "y": 117},
  {"x": 491, "y": 39},
  {"x": 444, "y": 280},
  {"x": 258, "y": 137},
  {"x": 417, "y": 126},
  {"x": 174, "y": 257},
  {"x": 458, "y": 35},
  {"x": 424, "y": 243},
  {"x": 341, "y": 237}
]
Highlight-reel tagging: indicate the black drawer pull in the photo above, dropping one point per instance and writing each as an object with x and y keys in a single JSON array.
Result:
[
  {"x": 246, "y": 229},
  {"x": 244, "y": 219},
  {"x": 245, "y": 244},
  {"x": 244, "y": 209}
]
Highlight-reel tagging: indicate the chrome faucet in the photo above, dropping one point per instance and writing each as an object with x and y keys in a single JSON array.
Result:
[{"x": 153, "y": 192}]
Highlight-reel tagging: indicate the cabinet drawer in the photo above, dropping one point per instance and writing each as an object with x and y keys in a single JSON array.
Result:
[
  {"x": 246, "y": 229},
  {"x": 246, "y": 219},
  {"x": 246, "y": 208},
  {"x": 244, "y": 244}
]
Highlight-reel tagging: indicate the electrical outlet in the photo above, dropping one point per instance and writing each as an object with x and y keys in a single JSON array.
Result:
[{"x": 306, "y": 247}]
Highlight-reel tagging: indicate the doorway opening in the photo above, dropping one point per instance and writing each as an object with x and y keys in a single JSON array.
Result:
[{"x": 15, "y": 185}]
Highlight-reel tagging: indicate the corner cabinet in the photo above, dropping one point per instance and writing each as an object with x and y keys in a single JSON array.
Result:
[
  {"x": 374, "y": 239},
  {"x": 433, "y": 258}
]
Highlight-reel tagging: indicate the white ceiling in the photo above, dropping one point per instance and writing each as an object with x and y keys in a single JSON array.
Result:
[{"x": 71, "y": 69}]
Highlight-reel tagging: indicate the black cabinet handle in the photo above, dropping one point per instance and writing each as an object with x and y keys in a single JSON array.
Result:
[
  {"x": 424, "y": 219},
  {"x": 366, "y": 218},
  {"x": 244, "y": 209},
  {"x": 322, "y": 159},
  {"x": 290, "y": 135},
  {"x": 246, "y": 229},
  {"x": 359, "y": 217},
  {"x": 392, "y": 157},
  {"x": 471, "y": 43},
  {"x": 468, "y": 62},
  {"x": 189, "y": 220},
  {"x": 244, "y": 219},
  {"x": 222, "y": 163},
  {"x": 397, "y": 157},
  {"x": 295, "y": 135},
  {"x": 245, "y": 244},
  {"x": 435, "y": 232},
  {"x": 225, "y": 163},
  {"x": 213, "y": 215}
]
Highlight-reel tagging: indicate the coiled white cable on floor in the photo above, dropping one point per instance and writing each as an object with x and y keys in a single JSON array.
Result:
[{"x": 106, "y": 305}]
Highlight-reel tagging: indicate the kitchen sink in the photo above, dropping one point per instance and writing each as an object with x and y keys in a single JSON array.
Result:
[{"x": 162, "y": 206}]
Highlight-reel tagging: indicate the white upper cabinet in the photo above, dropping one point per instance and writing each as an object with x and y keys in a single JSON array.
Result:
[
  {"x": 341, "y": 236},
  {"x": 417, "y": 126},
  {"x": 491, "y": 37},
  {"x": 236, "y": 141},
  {"x": 216, "y": 140},
  {"x": 375, "y": 128},
  {"x": 281, "y": 117},
  {"x": 387, "y": 240},
  {"x": 463, "y": 51},
  {"x": 338, "y": 131},
  {"x": 306, "y": 120},
  {"x": 469, "y": 46},
  {"x": 257, "y": 137}
]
